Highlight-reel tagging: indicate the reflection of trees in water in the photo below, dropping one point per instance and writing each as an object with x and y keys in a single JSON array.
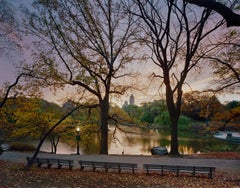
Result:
[
  {"x": 183, "y": 149},
  {"x": 121, "y": 139},
  {"x": 92, "y": 145},
  {"x": 141, "y": 144}
]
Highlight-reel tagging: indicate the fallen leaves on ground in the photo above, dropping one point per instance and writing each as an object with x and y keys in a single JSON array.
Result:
[
  {"x": 217, "y": 155},
  {"x": 16, "y": 175}
]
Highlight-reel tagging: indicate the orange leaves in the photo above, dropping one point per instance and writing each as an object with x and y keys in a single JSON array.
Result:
[{"x": 15, "y": 175}]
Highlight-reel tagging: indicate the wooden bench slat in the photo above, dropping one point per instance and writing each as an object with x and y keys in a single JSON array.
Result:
[
  {"x": 107, "y": 165},
  {"x": 52, "y": 161},
  {"x": 65, "y": 162},
  {"x": 178, "y": 169}
]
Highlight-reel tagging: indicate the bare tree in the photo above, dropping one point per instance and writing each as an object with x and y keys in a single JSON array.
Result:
[
  {"x": 178, "y": 38},
  {"x": 85, "y": 44},
  {"x": 225, "y": 64}
]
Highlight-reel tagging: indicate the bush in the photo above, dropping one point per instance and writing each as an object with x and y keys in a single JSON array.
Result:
[
  {"x": 22, "y": 147},
  {"x": 163, "y": 121},
  {"x": 184, "y": 122}
]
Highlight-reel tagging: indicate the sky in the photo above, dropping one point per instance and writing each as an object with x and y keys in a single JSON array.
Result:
[{"x": 9, "y": 59}]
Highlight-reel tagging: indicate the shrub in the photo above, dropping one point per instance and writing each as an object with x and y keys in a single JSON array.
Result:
[
  {"x": 18, "y": 146},
  {"x": 184, "y": 122},
  {"x": 163, "y": 121}
]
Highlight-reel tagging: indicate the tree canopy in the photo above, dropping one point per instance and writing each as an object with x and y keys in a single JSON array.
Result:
[{"x": 85, "y": 44}]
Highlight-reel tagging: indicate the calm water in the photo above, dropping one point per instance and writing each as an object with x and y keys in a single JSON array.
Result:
[{"x": 136, "y": 142}]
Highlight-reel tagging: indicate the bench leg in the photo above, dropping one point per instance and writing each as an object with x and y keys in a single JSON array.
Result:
[
  {"x": 49, "y": 165},
  {"x": 119, "y": 169},
  {"x": 194, "y": 171},
  {"x": 210, "y": 173},
  {"x": 106, "y": 169},
  {"x": 147, "y": 171}
]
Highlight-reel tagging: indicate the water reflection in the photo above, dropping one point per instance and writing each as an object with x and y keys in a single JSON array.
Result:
[
  {"x": 130, "y": 141},
  {"x": 140, "y": 143}
]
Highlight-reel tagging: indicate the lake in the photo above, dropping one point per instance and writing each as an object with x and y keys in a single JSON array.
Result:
[{"x": 133, "y": 141}]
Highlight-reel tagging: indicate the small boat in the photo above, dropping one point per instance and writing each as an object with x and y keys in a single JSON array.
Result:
[
  {"x": 159, "y": 150},
  {"x": 4, "y": 147},
  {"x": 233, "y": 137}
]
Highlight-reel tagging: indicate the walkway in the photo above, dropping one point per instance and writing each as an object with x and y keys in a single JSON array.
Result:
[{"x": 221, "y": 164}]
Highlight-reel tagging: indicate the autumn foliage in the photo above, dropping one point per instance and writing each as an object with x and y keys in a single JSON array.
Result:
[{"x": 15, "y": 175}]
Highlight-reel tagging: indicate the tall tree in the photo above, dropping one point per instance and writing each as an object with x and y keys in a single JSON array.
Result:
[
  {"x": 177, "y": 37},
  {"x": 85, "y": 44}
]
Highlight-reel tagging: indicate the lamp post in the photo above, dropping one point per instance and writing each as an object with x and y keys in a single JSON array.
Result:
[{"x": 78, "y": 139}]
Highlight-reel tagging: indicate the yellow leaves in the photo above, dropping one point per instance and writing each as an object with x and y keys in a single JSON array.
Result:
[
  {"x": 30, "y": 117},
  {"x": 232, "y": 115},
  {"x": 117, "y": 114},
  {"x": 87, "y": 130}
]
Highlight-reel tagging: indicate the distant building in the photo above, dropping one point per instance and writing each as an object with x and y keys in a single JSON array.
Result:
[
  {"x": 125, "y": 104},
  {"x": 69, "y": 105},
  {"x": 131, "y": 100}
]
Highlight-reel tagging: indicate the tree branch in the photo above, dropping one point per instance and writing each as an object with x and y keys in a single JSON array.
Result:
[
  {"x": 231, "y": 18},
  {"x": 5, "y": 98}
]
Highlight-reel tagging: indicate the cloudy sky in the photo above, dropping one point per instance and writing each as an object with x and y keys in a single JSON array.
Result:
[{"x": 10, "y": 58}]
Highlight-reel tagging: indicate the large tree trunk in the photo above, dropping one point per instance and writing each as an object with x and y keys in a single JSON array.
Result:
[
  {"x": 104, "y": 107},
  {"x": 174, "y": 116},
  {"x": 174, "y": 136}
]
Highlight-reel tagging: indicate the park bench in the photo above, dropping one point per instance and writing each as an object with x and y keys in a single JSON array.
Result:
[
  {"x": 52, "y": 161},
  {"x": 180, "y": 169},
  {"x": 46, "y": 161},
  {"x": 65, "y": 162},
  {"x": 91, "y": 164},
  {"x": 34, "y": 162},
  {"x": 107, "y": 165},
  {"x": 121, "y": 166}
]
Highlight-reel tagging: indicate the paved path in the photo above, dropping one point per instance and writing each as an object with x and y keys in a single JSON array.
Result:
[{"x": 221, "y": 164}]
